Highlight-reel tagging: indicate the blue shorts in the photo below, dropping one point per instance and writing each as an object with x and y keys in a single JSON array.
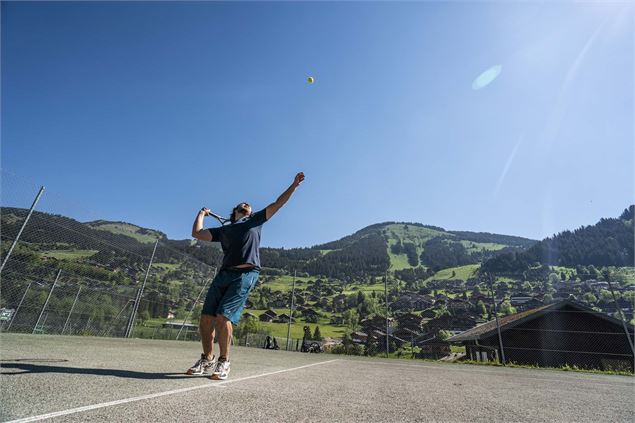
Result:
[{"x": 228, "y": 293}]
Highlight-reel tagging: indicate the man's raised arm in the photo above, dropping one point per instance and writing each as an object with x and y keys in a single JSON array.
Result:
[
  {"x": 197, "y": 228},
  {"x": 284, "y": 197}
]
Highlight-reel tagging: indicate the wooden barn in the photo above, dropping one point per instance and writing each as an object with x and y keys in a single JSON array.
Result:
[{"x": 555, "y": 335}]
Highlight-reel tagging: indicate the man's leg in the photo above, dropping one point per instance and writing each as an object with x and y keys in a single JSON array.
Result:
[
  {"x": 229, "y": 311},
  {"x": 206, "y": 328},
  {"x": 225, "y": 331}
]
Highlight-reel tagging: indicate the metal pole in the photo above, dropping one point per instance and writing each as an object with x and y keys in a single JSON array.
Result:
[
  {"x": 19, "y": 305},
  {"x": 71, "y": 312},
  {"x": 291, "y": 310},
  {"x": 59, "y": 272},
  {"x": 386, "y": 295},
  {"x": 136, "y": 307},
  {"x": 192, "y": 309},
  {"x": 619, "y": 309},
  {"x": 136, "y": 298},
  {"x": 107, "y": 331},
  {"x": 17, "y": 237},
  {"x": 498, "y": 328}
]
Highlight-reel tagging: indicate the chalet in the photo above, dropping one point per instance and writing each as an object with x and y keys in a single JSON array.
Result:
[
  {"x": 339, "y": 302},
  {"x": 379, "y": 337},
  {"x": 449, "y": 323},
  {"x": 534, "y": 302},
  {"x": 611, "y": 307},
  {"x": 268, "y": 316},
  {"x": 377, "y": 322},
  {"x": 410, "y": 321},
  {"x": 412, "y": 302},
  {"x": 516, "y": 301},
  {"x": 248, "y": 315},
  {"x": 283, "y": 318},
  {"x": 554, "y": 335},
  {"x": 433, "y": 348},
  {"x": 429, "y": 313},
  {"x": 406, "y": 334},
  {"x": 359, "y": 337},
  {"x": 458, "y": 305},
  {"x": 309, "y": 312},
  {"x": 593, "y": 284}
]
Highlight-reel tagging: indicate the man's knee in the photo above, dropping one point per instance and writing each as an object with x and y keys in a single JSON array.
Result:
[
  {"x": 223, "y": 321},
  {"x": 206, "y": 322}
]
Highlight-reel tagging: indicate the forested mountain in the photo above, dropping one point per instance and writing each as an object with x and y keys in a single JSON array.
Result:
[
  {"x": 607, "y": 243},
  {"x": 368, "y": 252},
  {"x": 403, "y": 248},
  {"x": 113, "y": 257}
]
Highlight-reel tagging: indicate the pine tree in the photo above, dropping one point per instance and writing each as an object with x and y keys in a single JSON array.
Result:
[
  {"x": 307, "y": 333},
  {"x": 317, "y": 335}
]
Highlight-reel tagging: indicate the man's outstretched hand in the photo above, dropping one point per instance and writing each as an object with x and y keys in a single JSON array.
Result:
[{"x": 298, "y": 179}]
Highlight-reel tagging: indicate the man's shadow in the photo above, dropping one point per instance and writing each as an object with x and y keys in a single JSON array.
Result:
[{"x": 25, "y": 367}]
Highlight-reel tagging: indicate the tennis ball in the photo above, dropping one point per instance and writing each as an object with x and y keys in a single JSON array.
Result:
[{"x": 310, "y": 80}]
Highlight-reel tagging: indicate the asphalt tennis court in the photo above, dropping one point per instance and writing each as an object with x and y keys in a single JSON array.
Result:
[{"x": 106, "y": 379}]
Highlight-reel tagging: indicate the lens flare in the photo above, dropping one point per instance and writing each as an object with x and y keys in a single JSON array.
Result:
[{"x": 487, "y": 77}]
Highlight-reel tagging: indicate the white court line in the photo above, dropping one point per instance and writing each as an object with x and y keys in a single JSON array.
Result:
[{"x": 158, "y": 394}]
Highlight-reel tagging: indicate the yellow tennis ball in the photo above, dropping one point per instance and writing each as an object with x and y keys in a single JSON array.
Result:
[{"x": 310, "y": 80}]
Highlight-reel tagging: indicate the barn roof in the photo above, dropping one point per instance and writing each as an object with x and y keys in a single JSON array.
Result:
[{"x": 507, "y": 322}]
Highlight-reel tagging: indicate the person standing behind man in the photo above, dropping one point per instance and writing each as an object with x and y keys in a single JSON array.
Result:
[{"x": 238, "y": 275}]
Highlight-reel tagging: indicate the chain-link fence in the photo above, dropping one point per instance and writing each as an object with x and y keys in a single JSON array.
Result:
[
  {"x": 584, "y": 324},
  {"x": 60, "y": 275},
  {"x": 84, "y": 276}
]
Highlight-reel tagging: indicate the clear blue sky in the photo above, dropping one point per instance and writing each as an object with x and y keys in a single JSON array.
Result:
[{"x": 144, "y": 112}]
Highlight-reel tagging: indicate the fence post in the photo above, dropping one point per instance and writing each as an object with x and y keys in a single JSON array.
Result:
[
  {"x": 19, "y": 305},
  {"x": 192, "y": 309},
  {"x": 291, "y": 309},
  {"x": 59, "y": 272},
  {"x": 386, "y": 296},
  {"x": 136, "y": 306},
  {"x": 134, "y": 303},
  {"x": 619, "y": 309},
  {"x": 107, "y": 331},
  {"x": 498, "y": 328},
  {"x": 17, "y": 237},
  {"x": 71, "y": 312}
]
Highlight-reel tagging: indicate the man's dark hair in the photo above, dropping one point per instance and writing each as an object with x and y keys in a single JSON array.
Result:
[{"x": 232, "y": 216}]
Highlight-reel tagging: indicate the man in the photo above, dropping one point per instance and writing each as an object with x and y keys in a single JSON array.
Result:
[{"x": 238, "y": 274}]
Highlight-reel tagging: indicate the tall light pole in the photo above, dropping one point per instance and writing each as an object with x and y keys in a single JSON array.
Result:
[{"x": 291, "y": 310}]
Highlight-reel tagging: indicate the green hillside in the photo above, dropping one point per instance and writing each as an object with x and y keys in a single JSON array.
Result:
[
  {"x": 460, "y": 272},
  {"x": 140, "y": 234}
]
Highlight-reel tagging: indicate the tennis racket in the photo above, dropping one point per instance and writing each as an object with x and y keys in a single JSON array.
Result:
[{"x": 223, "y": 221}]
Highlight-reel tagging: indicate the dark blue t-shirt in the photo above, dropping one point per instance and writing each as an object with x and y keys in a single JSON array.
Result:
[{"x": 240, "y": 241}]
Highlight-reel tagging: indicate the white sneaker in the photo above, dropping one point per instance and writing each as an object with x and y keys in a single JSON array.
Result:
[
  {"x": 202, "y": 366},
  {"x": 221, "y": 370}
]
